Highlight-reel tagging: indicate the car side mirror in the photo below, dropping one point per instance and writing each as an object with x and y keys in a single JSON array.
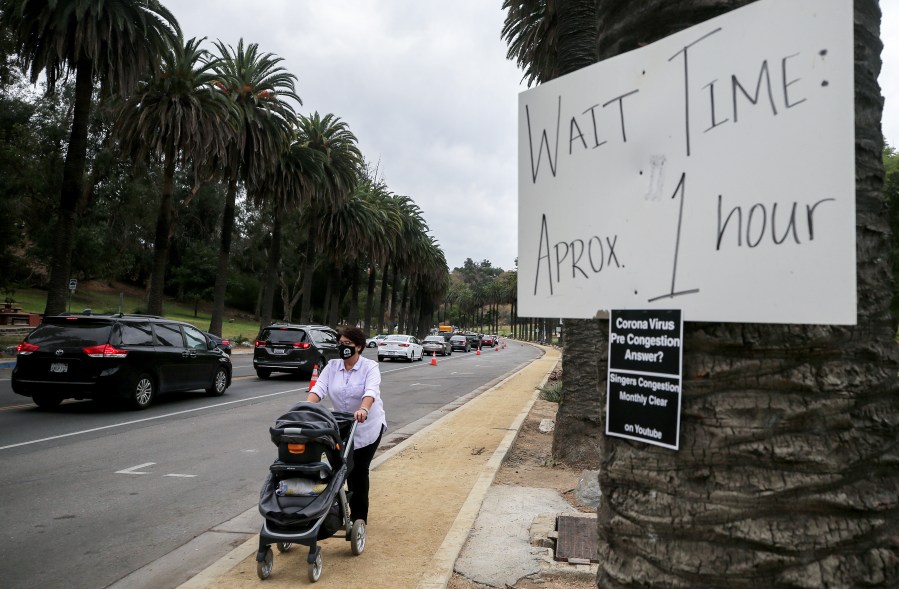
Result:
[{"x": 210, "y": 345}]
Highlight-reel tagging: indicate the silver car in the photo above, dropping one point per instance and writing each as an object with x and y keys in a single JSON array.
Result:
[
  {"x": 460, "y": 342},
  {"x": 436, "y": 344}
]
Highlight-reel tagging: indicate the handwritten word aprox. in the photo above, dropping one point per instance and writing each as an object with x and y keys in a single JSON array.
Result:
[{"x": 598, "y": 256}]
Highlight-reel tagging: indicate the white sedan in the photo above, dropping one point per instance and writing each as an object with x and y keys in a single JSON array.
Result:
[
  {"x": 406, "y": 347},
  {"x": 373, "y": 342}
]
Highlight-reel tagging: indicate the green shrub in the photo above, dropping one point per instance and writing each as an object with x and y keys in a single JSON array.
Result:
[{"x": 552, "y": 391}]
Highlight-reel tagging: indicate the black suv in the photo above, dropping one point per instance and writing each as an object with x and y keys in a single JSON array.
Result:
[
  {"x": 474, "y": 340},
  {"x": 284, "y": 347},
  {"x": 133, "y": 357}
]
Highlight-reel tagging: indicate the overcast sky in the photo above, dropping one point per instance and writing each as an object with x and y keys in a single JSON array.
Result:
[{"x": 427, "y": 90}]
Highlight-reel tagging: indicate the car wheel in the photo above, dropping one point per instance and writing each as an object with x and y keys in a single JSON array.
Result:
[
  {"x": 142, "y": 392},
  {"x": 263, "y": 374},
  {"x": 380, "y": 358},
  {"x": 219, "y": 383},
  {"x": 373, "y": 345},
  {"x": 46, "y": 401}
]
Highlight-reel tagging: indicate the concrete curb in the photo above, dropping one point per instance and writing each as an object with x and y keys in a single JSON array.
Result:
[{"x": 446, "y": 555}]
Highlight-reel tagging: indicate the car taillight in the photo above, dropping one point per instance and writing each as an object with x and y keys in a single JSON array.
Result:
[
  {"x": 25, "y": 348},
  {"x": 261, "y": 344},
  {"x": 382, "y": 344},
  {"x": 302, "y": 345},
  {"x": 226, "y": 342},
  {"x": 405, "y": 345},
  {"x": 105, "y": 351}
]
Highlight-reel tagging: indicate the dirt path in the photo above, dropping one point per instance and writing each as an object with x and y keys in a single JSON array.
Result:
[{"x": 416, "y": 497}]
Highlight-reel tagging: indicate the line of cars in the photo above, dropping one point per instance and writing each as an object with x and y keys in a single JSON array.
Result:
[{"x": 137, "y": 357}]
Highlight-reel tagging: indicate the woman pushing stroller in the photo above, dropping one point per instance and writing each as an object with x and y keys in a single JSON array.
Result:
[{"x": 354, "y": 385}]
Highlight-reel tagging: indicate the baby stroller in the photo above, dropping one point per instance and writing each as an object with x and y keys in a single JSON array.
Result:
[{"x": 303, "y": 499}]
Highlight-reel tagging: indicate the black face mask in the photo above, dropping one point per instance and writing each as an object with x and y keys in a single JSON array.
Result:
[{"x": 346, "y": 352}]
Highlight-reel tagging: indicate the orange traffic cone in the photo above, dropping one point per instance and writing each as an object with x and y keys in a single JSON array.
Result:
[
  {"x": 479, "y": 351},
  {"x": 314, "y": 377},
  {"x": 433, "y": 358},
  {"x": 495, "y": 348}
]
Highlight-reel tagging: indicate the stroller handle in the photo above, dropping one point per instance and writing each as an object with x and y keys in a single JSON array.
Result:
[{"x": 348, "y": 445}]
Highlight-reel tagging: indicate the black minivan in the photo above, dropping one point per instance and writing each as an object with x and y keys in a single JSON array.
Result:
[
  {"x": 132, "y": 357},
  {"x": 298, "y": 349}
]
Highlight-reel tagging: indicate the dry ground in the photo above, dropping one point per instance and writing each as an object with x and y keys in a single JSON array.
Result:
[{"x": 529, "y": 463}]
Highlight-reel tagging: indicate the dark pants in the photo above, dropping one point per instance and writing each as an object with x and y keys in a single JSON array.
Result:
[{"x": 357, "y": 481}]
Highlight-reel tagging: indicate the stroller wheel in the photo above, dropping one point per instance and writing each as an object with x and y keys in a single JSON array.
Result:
[
  {"x": 284, "y": 546},
  {"x": 357, "y": 537},
  {"x": 264, "y": 567},
  {"x": 315, "y": 569}
]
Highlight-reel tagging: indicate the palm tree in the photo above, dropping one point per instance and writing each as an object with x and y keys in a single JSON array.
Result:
[
  {"x": 790, "y": 478},
  {"x": 284, "y": 187},
  {"x": 175, "y": 113},
  {"x": 115, "y": 43},
  {"x": 347, "y": 231},
  {"x": 432, "y": 282},
  {"x": 382, "y": 245},
  {"x": 404, "y": 255},
  {"x": 259, "y": 89},
  {"x": 341, "y": 171},
  {"x": 531, "y": 31}
]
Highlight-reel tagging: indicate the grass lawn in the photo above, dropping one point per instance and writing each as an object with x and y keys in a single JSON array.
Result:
[{"x": 107, "y": 301}]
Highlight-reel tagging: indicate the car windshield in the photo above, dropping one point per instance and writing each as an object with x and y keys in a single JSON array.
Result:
[
  {"x": 435, "y": 339},
  {"x": 398, "y": 338}
]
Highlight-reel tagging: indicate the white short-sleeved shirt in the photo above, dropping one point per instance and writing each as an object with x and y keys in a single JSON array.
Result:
[{"x": 346, "y": 389}]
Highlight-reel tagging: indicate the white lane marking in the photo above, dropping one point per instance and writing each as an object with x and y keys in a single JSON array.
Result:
[
  {"x": 423, "y": 384},
  {"x": 183, "y": 476},
  {"x": 124, "y": 423},
  {"x": 133, "y": 469}
]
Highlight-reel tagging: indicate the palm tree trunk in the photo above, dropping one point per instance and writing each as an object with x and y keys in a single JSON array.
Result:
[
  {"x": 382, "y": 300},
  {"x": 163, "y": 233},
  {"x": 404, "y": 307},
  {"x": 308, "y": 269},
  {"x": 70, "y": 194},
  {"x": 393, "y": 295},
  {"x": 329, "y": 288},
  {"x": 786, "y": 476},
  {"x": 221, "y": 276},
  {"x": 353, "y": 317},
  {"x": 369, "y": 299},
  {"x": 270, "y": 284}
]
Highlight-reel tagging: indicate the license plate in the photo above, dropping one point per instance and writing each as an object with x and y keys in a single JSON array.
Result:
[
  {"x": 59, "y": 367},
  {"x": 279, "y": 351}
]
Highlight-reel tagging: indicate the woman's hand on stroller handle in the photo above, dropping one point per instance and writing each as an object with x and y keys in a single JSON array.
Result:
[{"x": 361, "y": 414}]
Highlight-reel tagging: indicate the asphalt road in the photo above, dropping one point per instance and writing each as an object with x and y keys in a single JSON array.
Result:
[{"x": 90, "y": 493}]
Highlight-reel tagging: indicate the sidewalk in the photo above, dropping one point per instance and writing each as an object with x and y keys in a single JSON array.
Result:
[{"x": 426, "y": 494}]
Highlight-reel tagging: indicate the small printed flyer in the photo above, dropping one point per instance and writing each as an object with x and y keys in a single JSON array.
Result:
[{"x": 644, "y": 380}]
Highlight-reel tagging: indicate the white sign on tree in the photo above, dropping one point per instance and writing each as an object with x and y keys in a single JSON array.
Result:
[{"x": 712, "y": 171}]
